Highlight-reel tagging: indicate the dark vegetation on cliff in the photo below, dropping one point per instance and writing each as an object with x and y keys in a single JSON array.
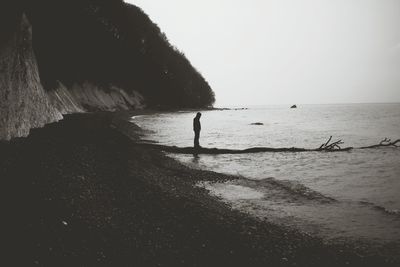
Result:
[{"x": 108, "y": 42}]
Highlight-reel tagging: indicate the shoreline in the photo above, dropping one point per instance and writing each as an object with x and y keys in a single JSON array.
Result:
[{"x": 84, "y": 194}]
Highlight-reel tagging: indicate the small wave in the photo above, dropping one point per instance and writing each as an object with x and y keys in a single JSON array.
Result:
[
  {"x": 147, "y": 131},
  {"x": 147, "y": 141},
  {"x": 293, "y": 188},
  {"x": 136, "y": 116},
  {"x": 381, "y": 208},
  {"x": 231, "y": 191}
]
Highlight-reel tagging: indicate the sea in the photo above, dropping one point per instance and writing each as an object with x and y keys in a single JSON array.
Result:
[{"x": 337, "y": 196}]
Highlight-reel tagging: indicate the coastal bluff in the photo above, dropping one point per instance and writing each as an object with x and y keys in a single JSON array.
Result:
[{"x": 65, "y": 57}]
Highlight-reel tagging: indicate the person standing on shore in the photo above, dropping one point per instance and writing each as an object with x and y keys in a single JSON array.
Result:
[{"x": 196, "y": 129}]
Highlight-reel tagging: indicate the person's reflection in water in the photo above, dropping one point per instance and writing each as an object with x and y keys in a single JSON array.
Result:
[
  {"x": 196, "y": 158},
  {"x": 197, "y": 129}
]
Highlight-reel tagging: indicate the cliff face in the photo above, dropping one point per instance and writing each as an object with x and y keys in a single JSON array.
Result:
[
  {"x": 24, "y": 103},
  {"x": 90, "y": 97},
  {"x": 60, "y": 57}
]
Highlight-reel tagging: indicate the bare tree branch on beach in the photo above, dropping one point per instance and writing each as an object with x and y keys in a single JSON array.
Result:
[{"x": 384, "y": 143}]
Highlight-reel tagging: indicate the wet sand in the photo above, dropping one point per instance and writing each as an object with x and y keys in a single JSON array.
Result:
[{"x": 81, "y": 193}]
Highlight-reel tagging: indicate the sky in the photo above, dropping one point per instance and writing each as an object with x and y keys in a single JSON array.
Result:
[{"x": 258, "y": 52}]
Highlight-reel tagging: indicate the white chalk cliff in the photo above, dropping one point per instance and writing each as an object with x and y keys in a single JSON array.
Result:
[{"x": 24, "y": 104}]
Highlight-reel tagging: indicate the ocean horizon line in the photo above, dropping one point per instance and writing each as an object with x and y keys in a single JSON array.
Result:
[{"x": 304, "y": 104}]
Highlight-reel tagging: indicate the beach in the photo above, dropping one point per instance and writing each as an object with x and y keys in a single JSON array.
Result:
[{"x": 82, "y": 192}]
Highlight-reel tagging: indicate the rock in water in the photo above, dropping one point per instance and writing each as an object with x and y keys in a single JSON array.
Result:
[{"x": 294, "y": 106}]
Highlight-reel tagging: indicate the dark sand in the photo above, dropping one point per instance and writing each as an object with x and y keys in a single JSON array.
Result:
[{"x": 80, "y": 193}]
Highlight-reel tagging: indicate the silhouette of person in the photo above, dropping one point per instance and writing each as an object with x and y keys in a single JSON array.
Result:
[{"x": 196, "y": 129}]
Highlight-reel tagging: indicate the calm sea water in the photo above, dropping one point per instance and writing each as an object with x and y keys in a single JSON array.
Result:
[{"x": 339, "y": 196}]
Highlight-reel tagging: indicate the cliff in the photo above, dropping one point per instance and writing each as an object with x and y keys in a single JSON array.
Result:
[
  {"x": 61, "y": 57},
  {"x": 23, "y": 102}
]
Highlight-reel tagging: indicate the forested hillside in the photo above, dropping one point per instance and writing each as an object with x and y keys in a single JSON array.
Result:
[{"x": 112, "y": 42}]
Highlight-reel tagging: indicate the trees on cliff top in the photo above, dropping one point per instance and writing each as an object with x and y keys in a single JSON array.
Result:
[{"x": 112, "y": 42}]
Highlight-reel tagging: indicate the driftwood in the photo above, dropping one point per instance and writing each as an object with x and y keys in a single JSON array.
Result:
[
  {"x": 325, "y": 147},
  {"x": 332, "y": 146},
  {"x": 384, "y": 143},
  {"x": 204, "y": 150}
]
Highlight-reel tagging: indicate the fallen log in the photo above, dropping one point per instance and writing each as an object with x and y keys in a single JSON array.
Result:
[
  {"x": 211, "y": 151},
  {"x": 325, "y": 147}
]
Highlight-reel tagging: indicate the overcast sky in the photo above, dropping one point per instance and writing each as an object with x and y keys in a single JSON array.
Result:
[{"x": 288, "y": 51}]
